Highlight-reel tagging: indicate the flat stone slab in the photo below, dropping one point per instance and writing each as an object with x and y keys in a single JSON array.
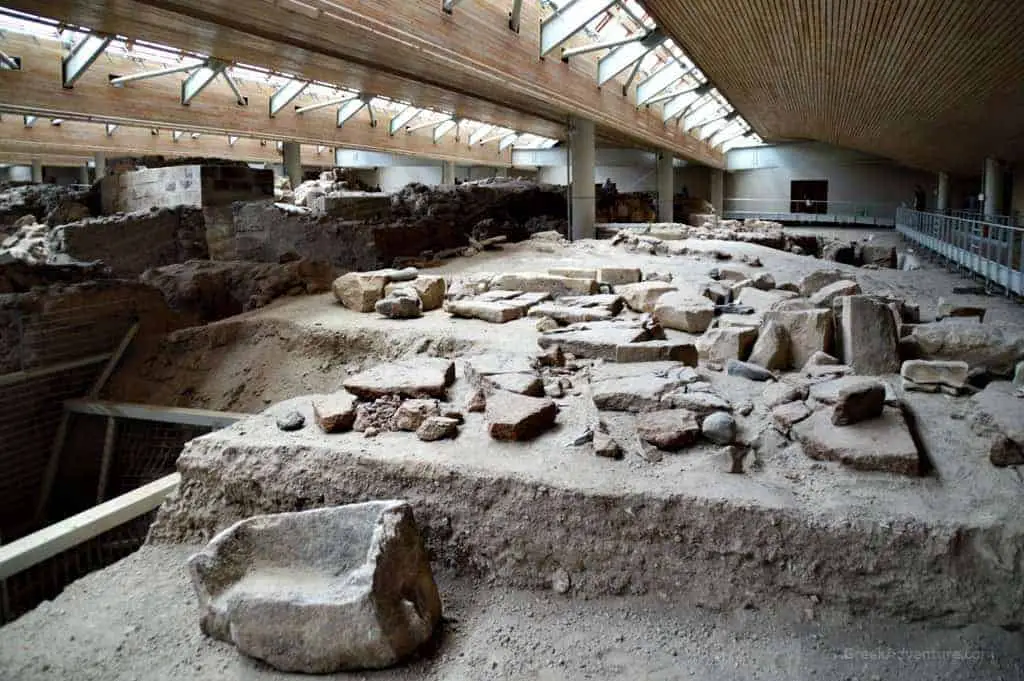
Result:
[
  {"x": 609, "y": 301},
  {"x": 596, "y": 340},
  {"x": 335, "y": 413},
  {"x": 569, "y": 314},
  {"x": 827, "y": 392},
  {"x": 668, "y": 429},
  {"x": 657, "y": 351},
  {"x": 700, "y": 403},
  {"x": 784, "y": 416},
  {"x": 618, "y": 275},
  {"x": 539, "y": 282},
  {"x": 477, "y": 367},
  {"x": 495, "y": 312},
  {"x": 518, "y": 417},
  {"x": 635, "y": 394},
  {"x": 931, "y": 372},
  {"x": 881, "y": 444},
  {"x": 643, "y": 296},
  {"x": 320, "y": 591},
  {"x": 424, "y": 377},
  {"x": 1003, "y": 408}
]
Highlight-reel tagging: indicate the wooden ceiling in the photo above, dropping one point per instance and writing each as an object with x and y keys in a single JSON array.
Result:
[{"x": 934, "y": 84}]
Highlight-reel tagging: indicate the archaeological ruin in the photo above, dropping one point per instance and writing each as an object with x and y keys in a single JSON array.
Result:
[{"x": 329, "y": 347}]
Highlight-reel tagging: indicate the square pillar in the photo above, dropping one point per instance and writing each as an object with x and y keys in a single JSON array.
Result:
[
  {"x": 37, "y": 171},
  {"x": 83, "y": 174},
  {"x": 292, "y": 153},
  {"x": 582, "y": 192},
  {"x": 993, "y": 187},
  {"x": 942, "y": 198},
  {"x": 717, "y": 190},
  {"x": 448, "y": 172},
  {"x": 100, "y": 161},
  {"x": 666, "y": 186}
]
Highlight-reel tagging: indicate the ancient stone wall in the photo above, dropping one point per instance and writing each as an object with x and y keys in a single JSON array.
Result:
[
  {"x": 185, "y": 185},
  {"x": 131, "y": 243}
]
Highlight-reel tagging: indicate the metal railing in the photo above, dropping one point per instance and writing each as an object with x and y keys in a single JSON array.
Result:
[
  {"x": 816, "y": 212},
  {"x": 974, "y": 248},
  {"x": 1016, "y": 220}
]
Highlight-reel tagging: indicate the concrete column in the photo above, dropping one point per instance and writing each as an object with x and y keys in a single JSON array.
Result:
[
  {"x": 37, "y": 170},
  {"x": 292, "y": 153},
  {"x": 993, "y": 187},
  {"x": 101, "y": 164},
  {"x": 717, "y": 190},
  {"x": 583, "y": 195},
  {"x": 666, "y": 186},
  {"x": 448, "y": 172},
  {"x": 942, "y": 199},
  {"x": 83, "y": 174}
]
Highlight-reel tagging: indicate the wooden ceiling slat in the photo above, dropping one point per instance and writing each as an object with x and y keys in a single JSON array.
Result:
[{"x": 935, "y": 84}]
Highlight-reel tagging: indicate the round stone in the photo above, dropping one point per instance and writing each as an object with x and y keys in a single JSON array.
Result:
[{"x": 719, "y": 427}]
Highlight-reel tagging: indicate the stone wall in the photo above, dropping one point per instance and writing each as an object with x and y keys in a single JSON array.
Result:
[
  {"x": 184, "y": 185},
  {"x": 131, "y": 243},
  {"x": 261, "y": 231}
]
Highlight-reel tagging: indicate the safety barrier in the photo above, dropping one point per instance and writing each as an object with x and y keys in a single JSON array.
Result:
[
  {"x": 974, "y": 248},
  {"x": 866, "y": 213}
]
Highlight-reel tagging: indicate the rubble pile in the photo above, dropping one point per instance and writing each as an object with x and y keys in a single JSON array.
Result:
[{"x": 48, "y": 204}]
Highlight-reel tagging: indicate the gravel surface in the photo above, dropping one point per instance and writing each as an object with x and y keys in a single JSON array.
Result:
[{"x": 137, "y": 620}]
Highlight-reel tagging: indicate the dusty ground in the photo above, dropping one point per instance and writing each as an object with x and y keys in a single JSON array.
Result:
[{"x": 93, "y": 632}]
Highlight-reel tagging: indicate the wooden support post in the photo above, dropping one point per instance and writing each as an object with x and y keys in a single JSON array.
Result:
[
  {"x": 109, "y": 438},
  {"x": 108, "y": 370}
]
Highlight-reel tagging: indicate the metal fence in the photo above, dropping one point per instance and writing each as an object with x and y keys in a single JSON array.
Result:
[
  {"x": 871, "y": 213},
  {"x": 975, "y": 248}
]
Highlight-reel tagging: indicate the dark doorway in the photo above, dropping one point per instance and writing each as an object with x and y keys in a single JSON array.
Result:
[{"x": 808, "y": 196}]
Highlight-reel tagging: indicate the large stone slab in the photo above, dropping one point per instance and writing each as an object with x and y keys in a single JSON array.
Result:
[
  {"x": 320, "y": 591},
  {"x": 422, "y": 377},
  {"x": 518, "y": 417},
  {"x": 870, "y": 336},
  {"x": 817, "y": 280},
  {"x": 859, "y": 401},
  {"x": 763, "y": 301},
  {"x": 721, "y": 345},
  {"x": 539, "y": 282},
  {"x": 644, "y": 295},
  {"x": 684, "y": 311},
  {"x": 616, "y": 276},
  {"x": 771, "y": 350},
  {"x": 935, "y": 372},
  {"x": 657, "y": 351},
  {"x": 1003, "y": 409},
  {"x": 827, "y": 392},
  {"x": 881, "y": 444},
  {"x": 825, "y": 296},
  {"x": 568, "y": 314},
  {"x": 596, "y": 340},
  {"x": 608, "y": 301},
  {"x": 988, "y": 347},
  {"x": 637, "y": 393},
  {"x": 809, "y": 331}
]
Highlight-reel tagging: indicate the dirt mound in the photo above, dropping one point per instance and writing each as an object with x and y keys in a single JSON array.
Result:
[{"x": 246, "y": 364}]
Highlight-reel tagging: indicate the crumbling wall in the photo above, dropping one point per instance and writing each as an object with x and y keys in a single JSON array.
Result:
[
  {"x": 264, "y": 232},
  {"x": 184, "y": 185},
  {"x": 131, "y": 243},
  {"x": 48, "y": 203}
]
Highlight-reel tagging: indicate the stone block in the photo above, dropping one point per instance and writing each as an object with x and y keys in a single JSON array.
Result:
[
  {"x": 771, "y": 350},
  {"x": 335, "y": 413},
  {"x": 573, "y": 272},
  {"x": 595, "y": 340},
  {"x": 668, "y": 429},
  {"x": 785, "y": 415},
  {"x": 817, "y": 280},
  {"x": 684, "y": 311},
  {"x": 922, "y": 371},
  {"x": 518, "y": 417},
  {"x": 431, "y": 289},
  {"x": 411, "y": 414},
  {"x": 360, "y": 291},
  {"x": 827, "y": 294},
  {"x": 568, "y": 314},
  {"x": 869, "y": 336},
  {"x": 422, "y": 377},
  {"x": 436, "y": 428},
  {"x": 721, "y": 345},
  {"x": 994, "y": 348},
  {"x": 948, "y": 308},
  {"x": 538, "y": 282},
  {"x": 320, "y": 591},
  {"x": 616, "y": 276},
  {"x": 496, "y": 312},
  {"x": 762, "y": 301},
  {"x": 643, "y": 296},
  {"x": 657, "y": 351},
  {"x": 881, "y": 444},
  {"x": 858, "y": 401}
]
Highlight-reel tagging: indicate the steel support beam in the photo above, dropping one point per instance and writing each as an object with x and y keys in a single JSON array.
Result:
[
  {"x": 479, "y": 135},
  {"x": 448, "y": 5},
  {"x": 402, "y": 119},
  {"x": 110, "y": 128},
  {"x": 568, "y": 21},
  {"x": 620, "y": 59},
  {"x": 507, "y": 141},
  {"x": 284, "y": 95},
  {"x": 568, "y": 52},
  {"x": 443, "y": 128},
  {"x": 118, "y": 81},
  {"x": 82, "y": 56},
  {"x": 232, "y": 139},
  {"x": 239, "y": 97},
  {"x": 513, "y": 16},
  {"x": 350, "y": 109},
  {"x": 727, "y": 115},
  {"x": 429, "y": 124},
  {"x": 176, "y": 135},
  {"x": 323, "y": 105},
  {"x": 198, "y": 80},
  {"x": 29, "y": 121},
  {"x": 9, "y": 63},
  {"x": 657, "y": 82}
]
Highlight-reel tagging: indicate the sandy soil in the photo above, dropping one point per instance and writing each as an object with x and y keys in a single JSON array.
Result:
[{"x": 95, "y": 632}]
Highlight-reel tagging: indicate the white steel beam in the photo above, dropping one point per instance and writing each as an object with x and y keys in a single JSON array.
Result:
[
  {"x": 568, "y": 21},
  {"x": 198, "y": 80},
  {"x": 682, "y": 102},
  {"x": 118, "y": 81},
  {"x": 176, "y": 135},
  {"x": 443, "y": 128},
  {"x": 507, "y": 141},
  {"x": 479, "y": 134},
  {"x": 429, "y": 124},
  {"x": 239, "y": 97},
  {"x": 448, "y": 5},
  {"x": 324, "y": 104},
  {"x": 110, "y": 128},
  {"x": 349, "y": 109},
  {"x": 595, "y": 47},
  {"x": 402, "y": 119},
  {"x": 232, "y": 139},
  {"x": 82, "y": 56},
  {"x": 29, "y": 120},
  {"x": 657, "y": 82},
  {"x": 9, "y": 63},
  {"x": 620, "y": 59},
  {"x": 284, "y": 95}
]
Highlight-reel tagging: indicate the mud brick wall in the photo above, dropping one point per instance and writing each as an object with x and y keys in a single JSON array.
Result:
[{"x": 131, "y": 243}]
